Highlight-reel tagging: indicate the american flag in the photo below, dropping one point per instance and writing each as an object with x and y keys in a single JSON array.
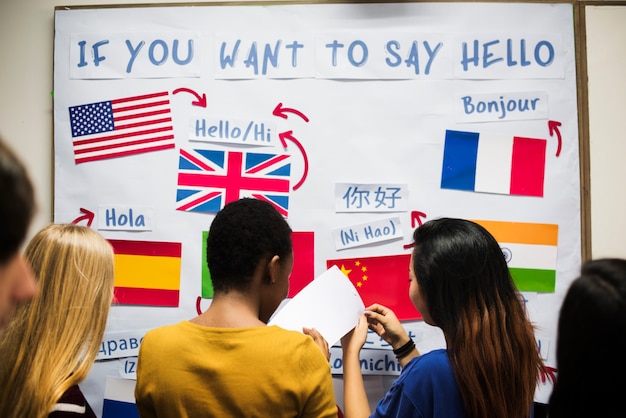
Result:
[
  {"x": 121, "y": 127},
  {"x": 208, "y": 179}
]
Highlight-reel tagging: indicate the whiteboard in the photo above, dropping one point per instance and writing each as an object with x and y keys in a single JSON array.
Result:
[{"x": 371, "y": 97}]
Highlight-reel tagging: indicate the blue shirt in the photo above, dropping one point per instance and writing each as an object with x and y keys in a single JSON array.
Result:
[{"x": 426, "y": 388}]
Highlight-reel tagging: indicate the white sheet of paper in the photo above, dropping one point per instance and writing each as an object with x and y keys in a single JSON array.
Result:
[{"x": 330, "y": 304}]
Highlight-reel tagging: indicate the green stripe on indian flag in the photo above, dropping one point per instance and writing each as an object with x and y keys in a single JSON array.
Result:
[
  {"x": 530, "y": 250},
  {"x": 533, "y": 267},
  {"x": 534, "y": 280}
]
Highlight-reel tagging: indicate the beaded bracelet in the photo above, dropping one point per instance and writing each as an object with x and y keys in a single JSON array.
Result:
[{"x": 405, "y": 349}]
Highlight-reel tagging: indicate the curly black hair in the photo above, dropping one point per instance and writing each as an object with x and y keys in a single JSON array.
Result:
[{"x": 242, "y": 234}]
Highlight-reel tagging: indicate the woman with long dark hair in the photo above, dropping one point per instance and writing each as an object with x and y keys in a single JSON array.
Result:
[{"x": 459, "y": 282}]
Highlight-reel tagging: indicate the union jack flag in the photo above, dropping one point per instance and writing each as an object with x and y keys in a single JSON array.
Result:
[
  {"x": 208, "y": 179},
  {"x": 120, "y": 127}
]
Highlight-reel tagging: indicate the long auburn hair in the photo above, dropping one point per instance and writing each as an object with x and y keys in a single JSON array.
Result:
[
  {"x": 52, "y": 341},
  {"x": 471, "y": 296}
]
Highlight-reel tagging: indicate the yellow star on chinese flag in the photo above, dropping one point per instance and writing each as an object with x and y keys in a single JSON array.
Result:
[{"x": 345, "y": 271}]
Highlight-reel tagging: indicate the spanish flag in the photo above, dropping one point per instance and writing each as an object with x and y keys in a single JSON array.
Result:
[
  {"x": 147, "y": 272},
  {"x": 530, "y": 250}
]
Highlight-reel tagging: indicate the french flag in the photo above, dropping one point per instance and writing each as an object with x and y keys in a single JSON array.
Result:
[{"x": 493, "y": 163}]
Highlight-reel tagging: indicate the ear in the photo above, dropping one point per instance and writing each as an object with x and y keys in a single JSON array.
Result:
[{"x": 273, "y": 267}]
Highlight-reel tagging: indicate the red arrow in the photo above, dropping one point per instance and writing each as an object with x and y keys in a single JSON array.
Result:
[
  {"x": 289, "y": 135},
  {"x": 416, "y": 216},
  {"x": 549, "y": 373},
  {"x": 198, "y": 305},
  {"x": 281, "y": 111},
  {"x": 201, "y": 99},
  {"x": 554, "y": 127},
  {"x": 88, "y": 215}
]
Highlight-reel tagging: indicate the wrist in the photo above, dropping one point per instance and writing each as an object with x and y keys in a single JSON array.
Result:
[
  {"x": 404, "y": 349},
  {"x": 400, "y": 342}
]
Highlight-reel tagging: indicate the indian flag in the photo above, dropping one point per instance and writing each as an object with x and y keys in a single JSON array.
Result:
[
  {"x": 493, "y": 163},
  {"x": 147, "y": 272},
  {"x": 530, "y": 250}
]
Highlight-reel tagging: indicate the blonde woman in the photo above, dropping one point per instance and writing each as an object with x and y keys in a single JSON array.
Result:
[{"x": 52, "y": 341}]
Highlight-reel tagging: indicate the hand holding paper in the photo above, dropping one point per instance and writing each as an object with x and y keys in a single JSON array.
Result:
[{"x": 330, "y": 304}]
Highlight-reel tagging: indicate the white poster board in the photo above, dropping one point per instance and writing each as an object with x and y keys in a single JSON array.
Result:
[{"x": 355, "y": 115}]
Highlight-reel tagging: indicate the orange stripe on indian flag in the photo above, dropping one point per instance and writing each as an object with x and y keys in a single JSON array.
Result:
[{"x": 522, "y": 232}]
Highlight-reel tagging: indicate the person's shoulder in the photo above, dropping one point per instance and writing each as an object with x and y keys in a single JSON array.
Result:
[
  {"x": 164, "y": 331},
  {"x": 291, "y": 340},
  {"x": 432, "y": 373},
  {"x": 435, "y": 361},
  {"x": 72, "y": 404},
  {"x": 295, "y": 337}
]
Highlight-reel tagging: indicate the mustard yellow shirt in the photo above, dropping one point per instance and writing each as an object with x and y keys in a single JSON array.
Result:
[{"x": 191, "y": 371}]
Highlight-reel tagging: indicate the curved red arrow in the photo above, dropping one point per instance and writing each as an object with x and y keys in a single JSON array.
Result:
[
  {"x": 198, "y": 309},
  {"x": 281, "y": 111},
  {"x": 88, "y": 215},
  {"x": 416, "y": 216},
  {"x": 201, "y": 99},
  {"x": 549, "y": 373},
  {"x": 289, "y": 135},
  {"x": 553, "y": 126}
]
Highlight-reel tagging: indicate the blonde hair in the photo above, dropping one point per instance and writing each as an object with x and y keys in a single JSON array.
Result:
[{"x": 52, "y": 341}]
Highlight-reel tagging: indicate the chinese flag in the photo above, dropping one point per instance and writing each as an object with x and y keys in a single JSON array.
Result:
[
  {"x": 301, "y": 275},
  {"x": 383, "y": 280}
]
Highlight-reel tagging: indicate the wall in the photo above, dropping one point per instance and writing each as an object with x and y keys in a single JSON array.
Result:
[{"x": 606, "y": 58}]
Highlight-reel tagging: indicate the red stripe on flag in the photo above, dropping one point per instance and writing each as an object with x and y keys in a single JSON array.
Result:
[
  {"x": 233, "y": 179},
  {"x": 195, "y": 160},
  {"x": 123, "y": 135},
  {"x": 126, "y": 144},
  {"x": 141, "y": 115},
  {"x": 201, "y": 199},
  {"x": 149, "y": 248},
  {"x": 303, "y": 261},
  {"x": 140, "y": 106},
  {"x": 147, "y": 297},
  {"x": 142, "y": 97},
  {"x": 528, "y": 166},
  {"x": 143, "y": 123},
  {"x": 263, "y": 198},
  {"x": 123, "y": 154},
  {"x": 233, "y": 182},
  {"x": 268, "y": 163}
]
